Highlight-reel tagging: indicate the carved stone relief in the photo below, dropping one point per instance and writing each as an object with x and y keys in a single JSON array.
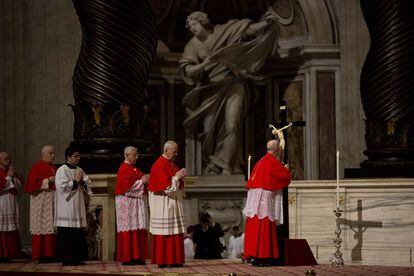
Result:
[
  {"x": 94, "y": 236},
  {"x": 226, "y": 212}
]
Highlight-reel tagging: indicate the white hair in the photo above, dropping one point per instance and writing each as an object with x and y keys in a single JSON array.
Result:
[
  {"x": 129, "y": 149},
  {"x": 45, "y": 148},
  {"x": 169, "y": 144}
]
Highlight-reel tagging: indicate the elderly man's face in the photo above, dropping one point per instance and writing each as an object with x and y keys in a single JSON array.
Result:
[
  {"x": 48, "y": 155},
  {"x": 171, "y": 152},
  {"x": 5, "y": 159},
  {"x": 131, "y": 156}
]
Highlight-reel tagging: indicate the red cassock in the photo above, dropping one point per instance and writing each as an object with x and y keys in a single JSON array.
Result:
[
  {"x": 43, "y": 245},
  {"x": 165, "y": 249},
  {"x": 9, "y": 240},
  {"x": 3, "y": 175},
  {"x": 40, "y": 171},
  {"x": 133, "y": 244},
  {"x": 260, "y": 234},
  {"x": 162, "y": 172}
]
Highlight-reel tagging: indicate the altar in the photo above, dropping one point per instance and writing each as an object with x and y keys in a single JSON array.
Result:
[{"x": 377, "y": 223}]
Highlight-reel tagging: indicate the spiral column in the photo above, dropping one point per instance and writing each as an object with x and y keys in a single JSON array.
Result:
[
  {"x": 387, "y": 87},
  {"x": 118, "y": 49}
]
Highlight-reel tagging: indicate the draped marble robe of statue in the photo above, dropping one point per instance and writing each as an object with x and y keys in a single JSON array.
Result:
[{"x": 221, "y": 98}]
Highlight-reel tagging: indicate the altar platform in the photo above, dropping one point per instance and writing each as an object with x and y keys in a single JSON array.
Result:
[
  {"x": 377, "y": 224},
  {"x": 192, "y": 267}
]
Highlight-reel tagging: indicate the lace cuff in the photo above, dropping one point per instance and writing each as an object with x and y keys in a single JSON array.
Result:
[{"x": 137, "y": 190}]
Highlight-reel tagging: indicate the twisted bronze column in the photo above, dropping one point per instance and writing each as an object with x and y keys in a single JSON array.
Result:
[
  {"x": 118, "y": 49},
  {"x": 387, "y": 87}
]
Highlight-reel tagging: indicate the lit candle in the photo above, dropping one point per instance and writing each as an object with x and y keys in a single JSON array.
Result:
[
  {"x": 248, "y": 166},
  {"x": 337, "y": 179}
]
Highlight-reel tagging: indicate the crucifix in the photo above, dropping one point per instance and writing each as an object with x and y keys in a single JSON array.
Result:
[
  {"x": 283, "y": 125},
  {"x": 280, "y": 130}
]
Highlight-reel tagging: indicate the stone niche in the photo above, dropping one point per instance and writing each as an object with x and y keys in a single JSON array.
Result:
[{"x": 223, "y": 197}]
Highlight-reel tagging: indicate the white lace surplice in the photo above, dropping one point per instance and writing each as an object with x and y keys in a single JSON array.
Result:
[
  {"x": 9, "y": 210},
  {"x": 264, "y": 203},
  {"x": 69, "y": 205},
  {"x": 130, "y": 209},
  {"x": 42, "y": 213}
]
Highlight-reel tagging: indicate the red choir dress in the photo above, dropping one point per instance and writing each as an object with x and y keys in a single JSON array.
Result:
[
  {"x": 268, "y": 176},
  {"x": 42, "y": 204},
  {"x": 131, "y": 217},
  {"x": 166, "y": 213},
  {"x": 9, "y": 216}
]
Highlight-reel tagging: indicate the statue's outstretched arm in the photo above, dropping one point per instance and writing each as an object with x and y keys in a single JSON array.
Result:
[
  {"x": 194, "y": 70},
  {"x": 267, "y": 19}
]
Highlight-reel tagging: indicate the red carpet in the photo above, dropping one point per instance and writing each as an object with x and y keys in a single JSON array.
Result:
[{"x": 199, "y": 267}]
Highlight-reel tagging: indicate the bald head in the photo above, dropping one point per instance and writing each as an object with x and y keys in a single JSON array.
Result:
[
  {"x": 170, "y": 150},
  {"x": 272, "y": 146},
  {"x": 5, "y": 159},
  {"x": 48, "y": 153}
]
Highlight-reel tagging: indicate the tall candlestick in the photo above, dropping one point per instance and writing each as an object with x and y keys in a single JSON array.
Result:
[
  {"x": 248, "y": 166},
  {"x": 337, "y": 179}
]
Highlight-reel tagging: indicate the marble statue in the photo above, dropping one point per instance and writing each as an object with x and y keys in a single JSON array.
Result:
[{"x": 220, "y": 61}]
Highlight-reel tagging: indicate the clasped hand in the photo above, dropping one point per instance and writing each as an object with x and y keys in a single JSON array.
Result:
[
  {"x": 181, "y": 174},
  {"x": 11, "y": 171}
]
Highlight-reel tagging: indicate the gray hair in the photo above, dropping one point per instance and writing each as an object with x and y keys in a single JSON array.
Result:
[
  {"x": 200, "y": 17},
  {"x": 169, "y": 144},
  {"x": 45, "y": 147},
  {"x": 129, "y": 149}
]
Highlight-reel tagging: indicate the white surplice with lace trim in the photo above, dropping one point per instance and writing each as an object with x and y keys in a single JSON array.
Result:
[
  {"x": 9, "y": 210},
  {"x": 130, "y": 209},
  {"x": 264, "y": 203}
]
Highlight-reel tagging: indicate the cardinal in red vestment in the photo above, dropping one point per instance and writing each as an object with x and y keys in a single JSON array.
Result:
[
  {"x": 166, "y": 193},
  {"x": 268, "y": 177},
  {"x": 9, "y": 210},
  {"x": 131, "y": 217},
  {"x": 40, "y": 185}
]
